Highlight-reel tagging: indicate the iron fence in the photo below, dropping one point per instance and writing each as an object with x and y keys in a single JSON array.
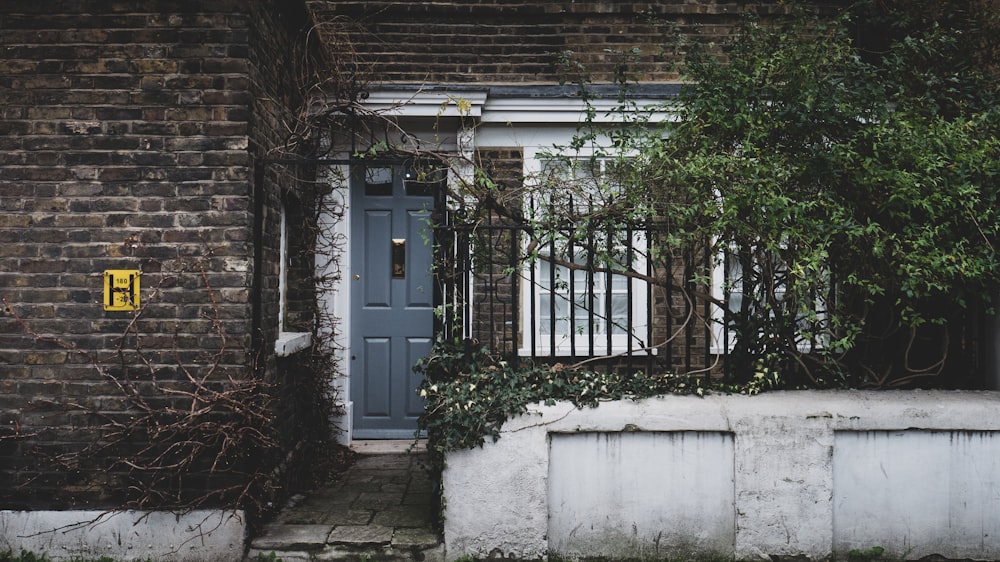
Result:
[{"x": 560, "y": 302}]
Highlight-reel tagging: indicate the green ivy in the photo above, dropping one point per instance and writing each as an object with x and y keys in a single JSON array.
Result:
[{"x": 469, "y": 394}]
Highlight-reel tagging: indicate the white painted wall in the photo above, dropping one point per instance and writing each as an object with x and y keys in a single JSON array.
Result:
[
  {"x": 629, "y": 494},
  {"x": 332, "y": 267},
  {"x": 198, "y": 536},
  {"x": 941, "y": 487},
  {"x": 785, "y": 473}
]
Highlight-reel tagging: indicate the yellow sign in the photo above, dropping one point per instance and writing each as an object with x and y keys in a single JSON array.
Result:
[{"x": 121, "y": 289}]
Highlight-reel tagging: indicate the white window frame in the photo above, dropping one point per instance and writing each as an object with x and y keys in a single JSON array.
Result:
[
  {"x": 575, "y": 342},
  {"x": 287, "y": 343},
  {"x": 724, "y": 285}
]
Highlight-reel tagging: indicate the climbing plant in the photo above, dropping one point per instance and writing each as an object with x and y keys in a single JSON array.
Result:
[{"x": 851, "y": 203}]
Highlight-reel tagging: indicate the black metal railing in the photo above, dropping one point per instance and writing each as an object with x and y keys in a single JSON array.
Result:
[
  {"x": 564, "y": 301},
  {"x": 610, "y": 302}
]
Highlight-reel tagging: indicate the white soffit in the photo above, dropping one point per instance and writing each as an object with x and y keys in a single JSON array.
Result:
[
  {"x": 426, "y": 103},
  {"x": 562, "y": 110},
  {"x": 507, "y": 109}
]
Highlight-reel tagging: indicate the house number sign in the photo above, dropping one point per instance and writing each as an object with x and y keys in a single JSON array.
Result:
[{"x": 121, "y": 289}]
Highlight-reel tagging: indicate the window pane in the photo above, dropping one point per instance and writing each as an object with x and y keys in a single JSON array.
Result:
[
  {"x": 544, "y": 274},
  {"x": 600, "y": 301},
  {"x": 378, "y": 182},
  {"x": 619, "y": 313},
  {"x": 423, "y": 182},
  {"x": 735, "y": 302},
  {"x": 546, "y": 302}
]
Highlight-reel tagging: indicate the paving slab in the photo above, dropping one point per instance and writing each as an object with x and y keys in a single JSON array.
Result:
[
  {"x": 292, "y": 537},
  {"x": 360, "y": 535},
  {"x": 418, "y": 500},
  {"x": 302, "y": 517},
  {"x": 377, "y": 500},
  {"x": 350, "y": 517},
  {"x": 401, "y": 518},
  {"x": 410, "y": 538}
]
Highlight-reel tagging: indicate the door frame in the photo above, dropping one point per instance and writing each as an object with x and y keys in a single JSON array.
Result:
[
  {"x": 335, "y": 331},
  {"x": 426, "y": 124},
  {"x": 409, "y": 190}
]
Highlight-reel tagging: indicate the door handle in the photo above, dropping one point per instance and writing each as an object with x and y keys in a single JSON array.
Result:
[{"x": 398, "y": 252}]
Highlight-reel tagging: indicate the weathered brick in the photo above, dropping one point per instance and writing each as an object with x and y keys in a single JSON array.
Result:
[
  {"x": 42, "y": 358},
  {"x": 189, "y": 114},
  {"x": 449, "y": 41},
  {"x": 106, "y": 113},
  {"x": 76, "y": 220},
  {"x": 126, "y": 142},
  {"x": 119, "y": 174},
  {"x": 46, "y": 266},
  {"x": 152, "y": 66},
  {"x": 227, "y": 129},
  {"x": 152, "y": 97},
  {"x": 14, "y": 221}
]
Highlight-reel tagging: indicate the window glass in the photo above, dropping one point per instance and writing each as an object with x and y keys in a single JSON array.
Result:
[
  {"x": 584, "y": 301},
  {"x": 378, "y": 182},
  {"x": 728, "y": 287},
  {"x": 424, "y": 182}
]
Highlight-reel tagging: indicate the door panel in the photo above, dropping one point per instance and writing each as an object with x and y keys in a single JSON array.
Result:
[
  {"x": 392, "y": 303},
  {"x": 376, "y": 356},
  {"x": 417, "y": 348},
  {"x": 419, "y": 281},
  {"x": 377, "y": 289}
]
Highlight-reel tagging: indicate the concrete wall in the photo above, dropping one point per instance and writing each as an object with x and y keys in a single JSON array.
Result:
[
  {"x": 197, "y": 536},
  {"x": 786, "y": 473}
]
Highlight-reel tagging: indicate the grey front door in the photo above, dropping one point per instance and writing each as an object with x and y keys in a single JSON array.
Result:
[{"x": 392, "y": 300}]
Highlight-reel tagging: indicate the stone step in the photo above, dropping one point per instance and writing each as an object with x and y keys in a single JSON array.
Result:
[{"x": 294, "y": 543}]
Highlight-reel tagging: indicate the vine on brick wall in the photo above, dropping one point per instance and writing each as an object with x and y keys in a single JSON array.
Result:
[{"x": 190, "y": 435}]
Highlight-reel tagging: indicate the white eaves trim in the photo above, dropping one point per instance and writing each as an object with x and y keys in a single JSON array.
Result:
[
  {"x": 562, "y": 110},
  {"x": 479, "y": 105},
  {"x": 426, "y": 103}
]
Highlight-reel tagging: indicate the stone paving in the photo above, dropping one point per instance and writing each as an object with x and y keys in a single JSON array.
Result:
[{"x": 382, "y": 508}]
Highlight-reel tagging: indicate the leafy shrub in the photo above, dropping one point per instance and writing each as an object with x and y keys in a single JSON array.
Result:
[{"x": 470, "y": 394}]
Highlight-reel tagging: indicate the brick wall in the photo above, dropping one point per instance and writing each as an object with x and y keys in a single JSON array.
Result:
[
  {"x": 516, "y": 41},
  {"x": 126, "y": 132},
  {"x": 274, "y": 69},
  {"x": 279, "y": 58}
]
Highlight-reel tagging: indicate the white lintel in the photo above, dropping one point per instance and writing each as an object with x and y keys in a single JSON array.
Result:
[{"x": 478, "y": 104}]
